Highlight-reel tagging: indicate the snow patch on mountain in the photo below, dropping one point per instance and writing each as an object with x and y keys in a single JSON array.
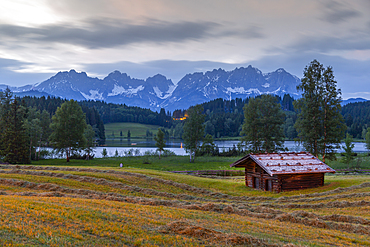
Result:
[
  {"x": 164, "y": 95},
  {"x": 118, "y": 90},
  {"x": 266, "y": 85},
  {"x": 94, "y": 95},
  {"x": 241, "y": 90},
  {"x": 274, "y": 92}
]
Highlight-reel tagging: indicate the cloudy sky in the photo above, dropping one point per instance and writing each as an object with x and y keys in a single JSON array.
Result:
[{"x": 174, "y": 37}]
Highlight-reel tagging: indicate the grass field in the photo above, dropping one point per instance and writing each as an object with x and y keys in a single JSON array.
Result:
[
  {"x": 181, "y": 163},
  {"x": 100, "y": 204},
  {"x": 137, "y": 130},
  {"x": 170, "y": 163}
]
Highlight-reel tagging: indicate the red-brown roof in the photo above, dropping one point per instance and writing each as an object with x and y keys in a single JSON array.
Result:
[{"x": 285, "y": 163}]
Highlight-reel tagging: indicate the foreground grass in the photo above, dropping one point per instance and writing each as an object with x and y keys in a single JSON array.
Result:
[{"x": 110, "y": 206}]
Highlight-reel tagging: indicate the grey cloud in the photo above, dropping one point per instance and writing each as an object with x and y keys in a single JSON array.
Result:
[
  {"x": 355, "y": 41},
  {"x": 353, "y": 76},
  {"x": 251, "y": 32},
  {"x": 172, "y": 69},
  {"x": 111, "y": 33},
  {"x": 336, "y": 12},
  {"x": 12, "y": 78}
]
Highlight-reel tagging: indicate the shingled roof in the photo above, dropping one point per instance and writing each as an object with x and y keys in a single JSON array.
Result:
[{"x": 285, "y": 163}]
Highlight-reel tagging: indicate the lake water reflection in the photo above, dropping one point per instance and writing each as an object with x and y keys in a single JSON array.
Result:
[{"x": 176, "y": 146}]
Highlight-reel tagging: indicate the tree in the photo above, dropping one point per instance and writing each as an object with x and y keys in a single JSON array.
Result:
[
  {"x": 34, "y": 130},
  {"x": 208, "y": 146},
  {"x": 320, "y": 125},
  {"x": 45, "y": 126},
  {"x": 367, "y": 139},
  {"x": 348, "y": 148},
  {"x": 14, "y": 137},
  {"x": 90, "y": 140},
  {"x": 262, "y": 130},
  {"x": 193, "y": 130},
  {"x": 159, "y": 141},
  {"x": 68, "y": 125},
  {"x": 128, "y": 135},
  {"x": 104, "y": 152}
]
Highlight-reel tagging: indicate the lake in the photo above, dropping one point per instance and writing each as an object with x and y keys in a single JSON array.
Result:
[{"x": 175, "y": 146}]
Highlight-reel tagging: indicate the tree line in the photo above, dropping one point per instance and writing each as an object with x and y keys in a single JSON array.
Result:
[
  {"x": 317, "y": 118},
  {"x": 31, "y": 123},
  {"x": 51, "y": 104}
]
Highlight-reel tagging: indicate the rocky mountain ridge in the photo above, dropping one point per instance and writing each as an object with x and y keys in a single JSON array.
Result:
[{"x": 160, "y": 92}]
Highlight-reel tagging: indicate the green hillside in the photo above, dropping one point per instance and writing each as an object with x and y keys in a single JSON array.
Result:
[{"x": 113, "y": 130}]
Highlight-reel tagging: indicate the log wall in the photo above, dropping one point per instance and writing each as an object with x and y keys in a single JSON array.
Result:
[
  {"x": 301, "y": 181},
  {"x": 256, "y": 177}
]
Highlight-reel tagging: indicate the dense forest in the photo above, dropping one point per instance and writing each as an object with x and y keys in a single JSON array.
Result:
[
  {"x": 357, "y": 118},
  {"x": 224, "y": 118},
  {"x": 50, "y": 105}
]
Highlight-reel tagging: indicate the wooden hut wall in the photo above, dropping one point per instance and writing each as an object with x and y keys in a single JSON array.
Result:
[
  {"x": 256, "y": 177},
  {"x": 301, "y": 181}
]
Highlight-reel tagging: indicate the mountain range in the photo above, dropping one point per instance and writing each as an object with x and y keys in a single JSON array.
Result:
[{"x": 160, "y": 92}]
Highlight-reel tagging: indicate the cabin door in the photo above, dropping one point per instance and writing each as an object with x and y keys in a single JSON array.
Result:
[
  {"x": 256, "y": 183},
  {"x": 268, "y": 185}
]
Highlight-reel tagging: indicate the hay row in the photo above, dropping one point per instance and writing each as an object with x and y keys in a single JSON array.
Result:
[
  {"x": 333, "y": 217},
  {"x": 333, "y": 204},
  {"x": 215, "y": 237},
  {"x": 330, "y": 192},
  {"x": 102, "y": 181},
  {"x": 333, "y": 197},
  {"x": 183, "y": 186},
  {"x": 320, "y": 223},
  {"x": 187, "y": 187},
  {"x": 255, "y": 212}
]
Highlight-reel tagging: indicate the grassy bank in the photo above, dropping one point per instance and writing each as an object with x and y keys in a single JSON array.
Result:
[
  {"x": 171, "y": 163},
  {"x": 181, "y": 163}
]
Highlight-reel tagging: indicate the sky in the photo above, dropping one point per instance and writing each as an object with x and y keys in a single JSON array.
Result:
[{"x": 175, "y": 37}]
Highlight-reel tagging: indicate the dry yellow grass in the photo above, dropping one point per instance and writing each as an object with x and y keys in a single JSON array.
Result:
[{"x": 46, "y": 206}]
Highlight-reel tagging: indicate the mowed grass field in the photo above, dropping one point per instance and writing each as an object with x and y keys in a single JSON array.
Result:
[
  {"x": 47, "y": 204},
  {"x": 137, "y": 130}
]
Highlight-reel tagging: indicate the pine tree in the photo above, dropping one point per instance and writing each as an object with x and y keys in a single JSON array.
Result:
[
  {"x": 193, "y": 130},
  {"x": 367, "y": 139},
  {"x": 15, "y": 145},
  {"x": 320, "y": 125},
  {"x": 263, "y": 124},
  {"x": 90, "y": 140},
  {"x": 68, "y": 125},
  {"x": 104, "y": 152},
  {"x": 348, "y": 148},
  {"x": 159, "y": 141},
  {"x": 128, "y": 135}
]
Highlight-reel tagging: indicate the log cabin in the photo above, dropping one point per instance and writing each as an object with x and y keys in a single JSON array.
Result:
[{"x": 279, "y": 172}]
